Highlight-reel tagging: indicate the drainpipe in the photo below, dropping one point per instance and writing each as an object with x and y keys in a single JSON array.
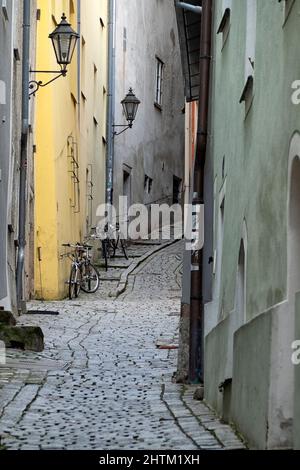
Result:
[
  {"x": 23, "y": 161},
  {"x": 196, "y": 362},
  {"x": 111, "y": 101},
  {"x": 79, "y": 59}
]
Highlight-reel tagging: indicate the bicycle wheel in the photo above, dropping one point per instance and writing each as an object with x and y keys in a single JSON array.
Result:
[
  {"x": 105, "y": 253},
  {"x": 108, "y": 251},
  {"x": 89, "y": 278},
  {"x": 112, "y": 246},
  {"x": 74, "y": 283},
  {"x": 124, "y": 246}
]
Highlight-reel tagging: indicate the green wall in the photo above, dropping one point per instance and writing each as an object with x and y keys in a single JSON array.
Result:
[{"x": 256, "y": 148}]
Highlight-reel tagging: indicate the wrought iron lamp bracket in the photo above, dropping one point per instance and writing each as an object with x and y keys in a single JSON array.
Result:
[
  {"x": 126, "y": 127},
  {"x": 35, "y": 85}
]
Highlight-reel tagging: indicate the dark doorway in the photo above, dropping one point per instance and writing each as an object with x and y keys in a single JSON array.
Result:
[{"x": 176, "y": 190}]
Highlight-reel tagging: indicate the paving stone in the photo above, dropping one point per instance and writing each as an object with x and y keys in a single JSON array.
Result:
[{"x": 101, "y": 383}]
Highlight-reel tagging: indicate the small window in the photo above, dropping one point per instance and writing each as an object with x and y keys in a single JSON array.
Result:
[
  {"x": 4, "y": 10},
  {"x": 159, "y": 82},
  {"x": 224, "y": 26},
  {"x": 248, "y": 89},
  {"x": 71, "y": 7},
  {"x": 2, "y": 92},
  {"x": 288, "y": 4},
  {"x": 124, "y": 39},
  {"x": 247, "y": 95},
  {"x": 176, "y": 190},
  {"x": 148, "y": 184}
]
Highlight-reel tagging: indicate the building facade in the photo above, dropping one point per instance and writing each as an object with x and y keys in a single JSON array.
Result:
[
  {"x": 253, "y": 318},
  {"x": 189, "y": 29},
  {"x": 249, "y": 326},
  {"x": 11, "y": 51},
  {"x": 70, "y": 139},
  {"x": 149, "y": 158}
]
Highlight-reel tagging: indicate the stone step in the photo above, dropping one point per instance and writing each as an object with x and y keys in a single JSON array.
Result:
[
  {"x": 26, "y": 338},
  {"x": 7, "y": 318}
]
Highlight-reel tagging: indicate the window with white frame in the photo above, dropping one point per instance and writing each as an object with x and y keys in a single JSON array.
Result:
[{"x": 159, "y": 82}]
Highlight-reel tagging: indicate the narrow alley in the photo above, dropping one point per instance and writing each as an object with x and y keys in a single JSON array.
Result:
[{"x": 104, "y": 380}]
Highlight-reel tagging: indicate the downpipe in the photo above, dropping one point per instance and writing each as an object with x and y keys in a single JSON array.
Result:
[
  {"x": 23, "y": 160},
  {"x": 110, "y": 107},
  {"x": 196, "y": 359}
]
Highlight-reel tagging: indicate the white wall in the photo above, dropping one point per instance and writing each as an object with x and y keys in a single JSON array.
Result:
[{"x": 155, "y": 145}]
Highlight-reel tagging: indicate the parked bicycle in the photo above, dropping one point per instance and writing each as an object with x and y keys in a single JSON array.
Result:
[
  {"x": 117, "y": 239},
  {"x": 111, "y": 238},
  {"x": 83, "y": 274}
]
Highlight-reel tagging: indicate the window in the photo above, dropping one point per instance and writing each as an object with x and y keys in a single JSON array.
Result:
[
  {"x": 288, "y": 4},
  {"x": 219, "y": 252},
  {"x": 127, "y": 188},
  {"x": 240, "y": 297},
  {"x": 248, "y": 90},
  {"x": 224, "y": 26},
  {"x": 71, "y": 7},
  {"x": 148, "y": 184},
  {"x": 176, "y": 190},
  {"x": 159, "y": 82},
  {"x": 4, "y": 9},
  {"x": 124, "y": 40},
  {"x": 250, "y": 38},
  {"x": 83, "y": 62},
  {"x": 2, "y": 92}
]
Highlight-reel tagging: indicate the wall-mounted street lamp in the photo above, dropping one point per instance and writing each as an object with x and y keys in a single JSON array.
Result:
[
  {"x": 130, "y": 106},
  {"x": 64, "y": 40}
]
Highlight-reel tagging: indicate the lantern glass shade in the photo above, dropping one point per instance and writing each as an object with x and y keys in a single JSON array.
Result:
[
  {"x": 64, "y": 40},
  {"x": 130, "y": 106}
]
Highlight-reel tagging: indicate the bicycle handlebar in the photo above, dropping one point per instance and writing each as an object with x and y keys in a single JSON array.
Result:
[{"x": 84, "y": 247}]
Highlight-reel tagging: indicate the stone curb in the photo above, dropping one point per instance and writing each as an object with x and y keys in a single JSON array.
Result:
[{"x": 124, "y": 277}]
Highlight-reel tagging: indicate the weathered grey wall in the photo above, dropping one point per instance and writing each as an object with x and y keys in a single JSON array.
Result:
[
  {"x": 6, "y": 31},
  {"x": 11, "y": 68},
  {"x": 155, "y": 145}
]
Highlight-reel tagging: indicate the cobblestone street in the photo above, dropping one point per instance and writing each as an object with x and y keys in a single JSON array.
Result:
[{"x": 102, "y": 381}]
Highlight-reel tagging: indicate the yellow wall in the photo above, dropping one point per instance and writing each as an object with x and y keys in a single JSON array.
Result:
[{"x": 66, "y": 123}]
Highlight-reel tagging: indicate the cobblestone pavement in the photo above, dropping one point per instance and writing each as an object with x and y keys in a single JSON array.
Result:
[{"x": 102, "y": 382}]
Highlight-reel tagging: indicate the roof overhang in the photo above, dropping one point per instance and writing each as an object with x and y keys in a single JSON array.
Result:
[{"x": 189, "y": 28}]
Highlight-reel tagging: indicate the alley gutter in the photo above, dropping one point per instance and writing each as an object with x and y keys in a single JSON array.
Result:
[{"x": 135, "y": 264}]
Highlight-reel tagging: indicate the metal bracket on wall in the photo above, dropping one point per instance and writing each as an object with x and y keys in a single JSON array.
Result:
[
  {"x": 35, "y": 85},
  {"x": 126, "y": 127},
  {"x": 74, "y": 172},
  {"x": 89, "y": 195}
]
